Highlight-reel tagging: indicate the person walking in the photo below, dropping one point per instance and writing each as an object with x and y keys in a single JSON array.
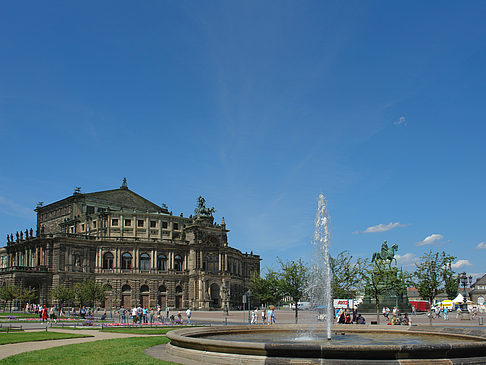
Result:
[
  {"x": 253, "y": 318},
  {"x": 446, "y": 314},
  {"x": 144, "y": 314},
  {"x": 123, "y": 314},
  {"x": 44, "y": 313},
  {"x": 188, "y": 315}
]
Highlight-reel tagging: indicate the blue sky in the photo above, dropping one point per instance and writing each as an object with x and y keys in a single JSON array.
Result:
[{"x": 259, "y": 106}]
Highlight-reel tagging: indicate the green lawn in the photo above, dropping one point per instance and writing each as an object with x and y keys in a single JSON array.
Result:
[
  {"x": 15, "y": 337},
  {"x": 18, "y": 315},
  {"x": 118, "y": 351}
]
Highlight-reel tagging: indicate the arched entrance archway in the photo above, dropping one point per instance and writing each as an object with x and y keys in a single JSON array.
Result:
[
  {"x": 178, "y": 297},
  {"x": 108, "y": 296},
  {"x": 162, "y": 298},
  {"x": 214, "y": 295},
  {"x": 127, "y": 296},
  {"x": 144, "y": 296}
]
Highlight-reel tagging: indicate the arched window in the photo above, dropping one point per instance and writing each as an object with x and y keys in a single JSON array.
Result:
[
  {"x": 162, "y": 262},
  {"x": 144, "y": 261},
  {"x": 162, "y": 289},
  {"x": 126, "y": 288},
  {"x": 178, "y": 263},
  {"x": 108, "y": 260},
  {"x": 144, "y": 289},
  {"x": 126, "y": 261},
  {"x": 178, "y": 290}
]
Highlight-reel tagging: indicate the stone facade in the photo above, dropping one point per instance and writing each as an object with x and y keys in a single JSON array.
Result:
[
  {"x": 478, "y": 291},
  {"x": 139, "y": 250}
]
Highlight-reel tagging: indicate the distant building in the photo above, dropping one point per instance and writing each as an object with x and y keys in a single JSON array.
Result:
[
  {"x": 478, "y": 291},
  {"x": 140, "y": 251}
]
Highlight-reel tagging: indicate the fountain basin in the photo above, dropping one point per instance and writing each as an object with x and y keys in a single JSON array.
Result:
[{"x": 453, "y": 345}]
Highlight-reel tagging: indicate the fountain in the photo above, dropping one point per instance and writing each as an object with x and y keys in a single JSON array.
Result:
[
  {"x": 350, "y": 344},
  {"x": 321, "y": 269}
]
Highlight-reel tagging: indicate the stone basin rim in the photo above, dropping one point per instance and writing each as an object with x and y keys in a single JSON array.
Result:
[{"x": 189, "y": 338}]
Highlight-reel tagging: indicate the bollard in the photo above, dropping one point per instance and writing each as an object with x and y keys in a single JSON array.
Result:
[{"x": 480, "y": 320}]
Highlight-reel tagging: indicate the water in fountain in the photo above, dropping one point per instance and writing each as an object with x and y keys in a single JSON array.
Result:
[{"x": 319, "y": 286}]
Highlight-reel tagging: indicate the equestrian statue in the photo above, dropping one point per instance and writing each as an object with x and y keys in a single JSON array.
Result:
[{"x": 386, "y": 253}]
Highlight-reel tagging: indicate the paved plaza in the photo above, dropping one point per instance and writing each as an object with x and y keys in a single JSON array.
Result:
[{"x": 214, "y": 318}]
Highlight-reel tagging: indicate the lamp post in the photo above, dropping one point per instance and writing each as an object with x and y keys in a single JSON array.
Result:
[
  {"x": 166, "y": 306},
  {"x": 465, "y": 281},
  {"x": 225, "y": 290},
  {"x": 248, "y": 295}
]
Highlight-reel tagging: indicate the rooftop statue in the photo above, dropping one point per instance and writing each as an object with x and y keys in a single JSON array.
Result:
[
  {"x": 386, "y": 253},
  {"x": 201, "y": 208}
]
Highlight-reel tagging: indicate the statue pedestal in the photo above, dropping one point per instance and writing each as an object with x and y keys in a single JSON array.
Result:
[{"x": 389, "y": 300}]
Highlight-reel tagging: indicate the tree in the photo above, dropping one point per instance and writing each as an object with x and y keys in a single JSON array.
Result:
[
  {"x": 88, "y": 292},
  {"x": 26, "y": 295},
  {"x": 378, "y": 277},
  {"x": 8, "y": 293},
  {"x": 63, "y": 294},
  {"x": 347, "y": 275},
  {"x": 433, "y": 270},
  {"x": 266, "y": 289},
  {"x": 293, "y": 281}
]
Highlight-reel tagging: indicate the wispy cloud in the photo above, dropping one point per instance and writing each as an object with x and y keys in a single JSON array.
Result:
[
  {"x": 401, "y": 121},
  {"x": 430, "y": 240},
  {"x": 481, "y": 246},
  {"x": 460, "y": 263},
  {"x": 383, "y": 227},
  {"x": 12, "y": 208},
  {"x": 406, "y": 260}
]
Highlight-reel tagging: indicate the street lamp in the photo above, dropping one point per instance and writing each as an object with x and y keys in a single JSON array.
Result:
[
  {"x": 465, "y": 280},
  {"x": 225, "y": 290},
  {"x": 248, "y": 295}
]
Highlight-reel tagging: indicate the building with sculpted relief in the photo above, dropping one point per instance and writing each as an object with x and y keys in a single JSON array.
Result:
[{"x": 140, "y": 251}]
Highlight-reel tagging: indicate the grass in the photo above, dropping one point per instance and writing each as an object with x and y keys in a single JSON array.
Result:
[
  {"x": 16, "y": 337},
  {"x": 19, "y": 315},
  {"x": 118, "y": 351}
]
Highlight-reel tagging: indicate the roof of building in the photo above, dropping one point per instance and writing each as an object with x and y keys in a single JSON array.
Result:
[
  {"x": 124, "y": 197},
  {"x": 121, "y": 197},
  {"x": 481, "y": 280}
]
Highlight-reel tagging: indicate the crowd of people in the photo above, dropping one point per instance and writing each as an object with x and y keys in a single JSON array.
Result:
[
  {"x": 144, "y": 315},
  {"x": 343, "y": 316},
  {"x": 266, "y": 316}
]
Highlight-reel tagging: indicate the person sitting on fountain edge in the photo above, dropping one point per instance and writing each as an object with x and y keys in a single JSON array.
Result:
[{"x": 360, "y": 319}]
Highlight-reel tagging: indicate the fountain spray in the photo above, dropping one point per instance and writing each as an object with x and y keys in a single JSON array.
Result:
[{"x": 320, "y": 279}]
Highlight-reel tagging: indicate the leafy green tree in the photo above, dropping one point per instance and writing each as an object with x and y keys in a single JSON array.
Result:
[
  {"x": 433, "y": 271},
  {"x": 8, "y": 293},
  {"x": 379, "y": 279},
  {"x": 347, "y": 275},
  {"x": 26, "y": 295},
  {"x": 451, "y": 280},
  {"x": 293, "y": 281},
  {"x": 63, "y": 294},
  {"x": 88, "y": 292},
  {"x": 266, "y": 289}
]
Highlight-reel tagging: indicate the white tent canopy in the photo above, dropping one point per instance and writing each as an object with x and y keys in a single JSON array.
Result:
[{"x": 458, "y": 299}]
